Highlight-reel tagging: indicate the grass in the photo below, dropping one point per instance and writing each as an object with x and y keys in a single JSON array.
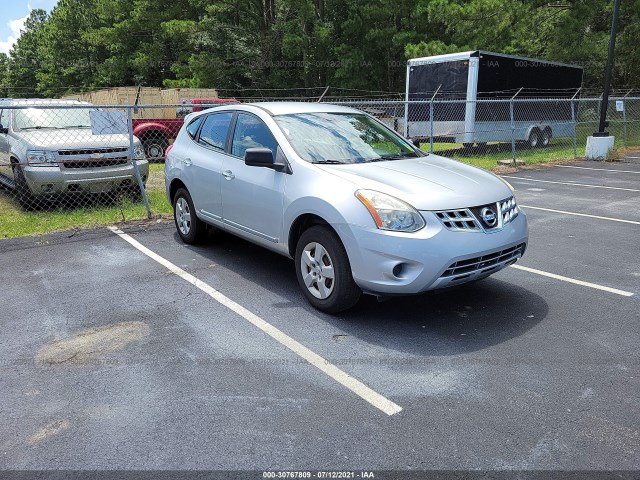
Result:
[
  {"x": 15, "y": 222},
  {"x": 487, "y": 157}
]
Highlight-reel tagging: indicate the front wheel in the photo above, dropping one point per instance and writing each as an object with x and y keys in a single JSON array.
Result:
[
  {"x": 324, "y": 272},
  {"x": 190, "y": 228},
  {"x": 534, "y": 138},
  {"x": 23, "y": 192}
]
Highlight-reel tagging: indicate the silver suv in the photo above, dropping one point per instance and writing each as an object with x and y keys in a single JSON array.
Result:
[
  {"x": 358, "y": 208},
  {"x": 48, "y": 148}
]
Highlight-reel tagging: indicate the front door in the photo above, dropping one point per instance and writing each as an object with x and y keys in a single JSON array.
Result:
[{"x": 252, "y": 196}]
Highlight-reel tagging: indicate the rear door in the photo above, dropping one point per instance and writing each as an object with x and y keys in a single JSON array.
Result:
[
  {"x": 252, "y": 196},
  {"x": 204, "y": 163}
]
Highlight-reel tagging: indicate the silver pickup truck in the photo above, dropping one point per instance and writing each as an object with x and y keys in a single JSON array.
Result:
[{"x": 49, "y": 149}]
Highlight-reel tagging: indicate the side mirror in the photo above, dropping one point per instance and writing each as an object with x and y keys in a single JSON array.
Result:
[{"x": 262, "y": 157}]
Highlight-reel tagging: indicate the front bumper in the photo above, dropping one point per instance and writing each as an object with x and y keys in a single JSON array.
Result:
[
  {"x": 394, "y": 263},
  {"x": 52, "y": 180}
]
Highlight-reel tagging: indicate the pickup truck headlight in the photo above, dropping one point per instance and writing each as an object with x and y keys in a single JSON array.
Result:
[
  {"x": 390, "y": 213},
  {"x": 41, "y": 158},
  {"x": 138, "y": 153}
]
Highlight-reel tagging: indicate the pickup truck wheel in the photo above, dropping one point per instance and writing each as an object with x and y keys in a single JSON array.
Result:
[
  {"x": 191, "y": 229},
  {"x": 23, "y": 193},
  {"x": 154, "y": 148},
  {"x": 324, "y": 272}
]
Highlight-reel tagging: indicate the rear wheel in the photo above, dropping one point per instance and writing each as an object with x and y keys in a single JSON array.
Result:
[
  {"x": 191, "y": 229},
  {"x": 546, "y": 137},
  {"x": 324, "y": 272},
  {"x": 23, "y": 192}
]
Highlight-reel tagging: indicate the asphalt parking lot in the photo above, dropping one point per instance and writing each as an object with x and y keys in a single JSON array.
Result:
[{"x": 112, "y": 360}]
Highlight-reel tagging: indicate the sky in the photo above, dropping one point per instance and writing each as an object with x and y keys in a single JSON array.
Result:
[{"x": 13, "y": 13}]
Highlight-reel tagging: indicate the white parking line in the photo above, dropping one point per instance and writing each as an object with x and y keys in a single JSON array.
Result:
[
  {"x": 574, "y": 281},
  {"x": 599, "y": 169},
  {"x": 357, "y": 387},
  {"x": 633, "y": 222},
  {"x": 573, "y": 184}
]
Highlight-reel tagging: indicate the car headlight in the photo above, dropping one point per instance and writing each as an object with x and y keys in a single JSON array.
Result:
[
  {"x": 138, "y": 153},
  {"x": 41, "y": 158},
  {"x": 390, "y": 213}
]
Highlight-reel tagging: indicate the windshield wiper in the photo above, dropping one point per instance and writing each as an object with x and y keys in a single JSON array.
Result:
[
  {"x": 328, "y": 162},
  {"x": 394, "y": 156}
]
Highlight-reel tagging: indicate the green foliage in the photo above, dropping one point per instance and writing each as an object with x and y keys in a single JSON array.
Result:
[
  {"x": 287, "y": 44},
  {"x": 24, "y": 57}
]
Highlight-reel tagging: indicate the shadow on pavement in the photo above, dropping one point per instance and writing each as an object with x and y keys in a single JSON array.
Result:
[{"x": 441, "y": 323}]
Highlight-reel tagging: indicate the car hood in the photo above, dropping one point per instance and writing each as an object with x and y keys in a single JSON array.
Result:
[
  {"x": 427, "y": 183},
  {"x": 69, "y": 139}
]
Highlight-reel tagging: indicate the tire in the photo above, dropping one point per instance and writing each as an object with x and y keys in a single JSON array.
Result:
[
  {"x": 190, "y": 228},
  {"x": 155, "y": 148},
  {"x": 534, "y": 138},
  {"x": 467, "y": 146},
  {"x": 319, "y": 253},
  {"x": 23, "y": 193},
  {"x": 546, "y": 137}
]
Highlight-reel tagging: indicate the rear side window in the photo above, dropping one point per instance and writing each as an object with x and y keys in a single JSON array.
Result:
[
  {"x": 192, "y": 128},
  {"x": 215, "y": 129}
]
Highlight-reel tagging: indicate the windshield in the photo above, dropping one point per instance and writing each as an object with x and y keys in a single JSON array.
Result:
[
  {"x": 58, "y": 118},
  {"x": 342, "y": 138}
]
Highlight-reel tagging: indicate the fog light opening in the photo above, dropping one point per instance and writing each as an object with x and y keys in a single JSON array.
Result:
[
  {"x": 398, "y": 270},
  {"x": 47, "y": 188}
]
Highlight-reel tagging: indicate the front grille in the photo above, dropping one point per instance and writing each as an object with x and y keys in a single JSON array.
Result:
[
  {"x": 94, "y": 151},
  {"x": 101, "y": 163},
  {"x": 483, "y": 263},
  {"x": 459, "y": 220},
  {"x": 488, "y": 218}
]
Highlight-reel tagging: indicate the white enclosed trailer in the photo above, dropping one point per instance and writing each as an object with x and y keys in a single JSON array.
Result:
[{"x": 478, "y": 97}]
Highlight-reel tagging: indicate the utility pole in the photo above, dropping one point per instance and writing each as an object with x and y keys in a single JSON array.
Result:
[{"x": 607, "y": 73}]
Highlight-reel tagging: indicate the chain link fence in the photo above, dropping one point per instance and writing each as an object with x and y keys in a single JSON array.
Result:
[
  {"x": 488, "y": 130},
  {"x": 67, "y": 164}
]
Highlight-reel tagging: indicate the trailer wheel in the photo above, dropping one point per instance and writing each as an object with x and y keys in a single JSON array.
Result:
[
  {"x": 534, "y": 138},
  {"x": 546, "y": 137}
]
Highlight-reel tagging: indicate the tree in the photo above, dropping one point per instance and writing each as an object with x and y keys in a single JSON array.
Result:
[{"x": 24, "y": 58}]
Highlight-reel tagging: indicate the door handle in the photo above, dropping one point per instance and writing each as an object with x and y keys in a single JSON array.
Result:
[
  {"x": 228, "y": 174},
  {"x": 187, "y": 162}
]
